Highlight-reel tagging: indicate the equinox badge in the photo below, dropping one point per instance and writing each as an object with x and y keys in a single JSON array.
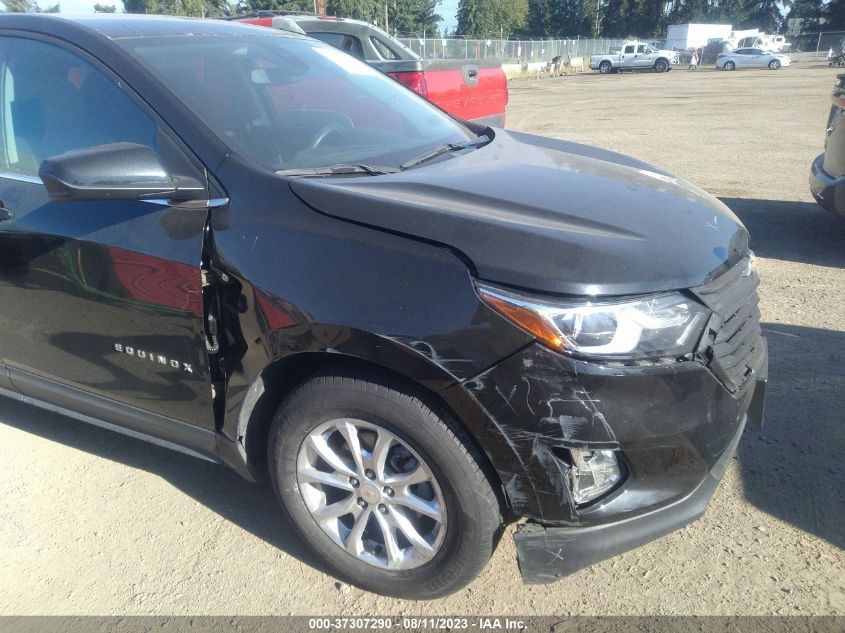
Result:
[{"x": 152, "y": 357}]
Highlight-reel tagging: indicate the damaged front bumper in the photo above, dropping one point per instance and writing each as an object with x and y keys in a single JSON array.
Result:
[
  {"x": 546, "y": 553},
  {"x": 674, "y": 426}
]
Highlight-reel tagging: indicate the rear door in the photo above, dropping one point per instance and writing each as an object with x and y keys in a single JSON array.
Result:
[
  {"x": 740, "y": 57},
  {"x": 627, "y": 56},
  {"x": 100, "y": 300}
]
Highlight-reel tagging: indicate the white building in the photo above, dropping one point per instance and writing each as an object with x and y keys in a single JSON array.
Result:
[{"x": 684, "y": 36}]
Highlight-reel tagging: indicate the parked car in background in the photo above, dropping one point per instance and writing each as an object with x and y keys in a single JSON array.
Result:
[
  {"x": 751, "y": 58},
  {"x": 634, "y": 55},
  {"x": 827, "y": 175},
  {"x": 472, "y": 89}
]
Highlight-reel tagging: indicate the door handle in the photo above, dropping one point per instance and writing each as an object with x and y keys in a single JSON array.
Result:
[
  {"x": 472, "y": 73},
  {"x": 6, "y": 214}
]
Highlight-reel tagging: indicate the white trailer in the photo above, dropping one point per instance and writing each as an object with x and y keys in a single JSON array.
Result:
[{"x": 685, "y": 36}]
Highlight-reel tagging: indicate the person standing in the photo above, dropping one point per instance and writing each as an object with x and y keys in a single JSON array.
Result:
[{"x": 693, "y": 60}]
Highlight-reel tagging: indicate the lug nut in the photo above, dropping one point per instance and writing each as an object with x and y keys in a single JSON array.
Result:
[
  {"x": 370, "y": 474},
  {"x": 354, "y": 482},
  {"x": 388, "y": 491},
  {"x": 382, "y": 508},
  {"x": 362, "y": 504}
]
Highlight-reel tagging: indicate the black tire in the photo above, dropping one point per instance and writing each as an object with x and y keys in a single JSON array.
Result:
[
  {"x": 661, "y": 66},
  {"x": 730, "y": 66},
  {"x": 605, "y": 68},
  {"x": 474, "y": 517},
  {"x": 774, "y": 65}
]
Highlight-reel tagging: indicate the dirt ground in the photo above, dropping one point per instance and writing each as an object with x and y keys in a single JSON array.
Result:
[{"x": 96, "y": 523}]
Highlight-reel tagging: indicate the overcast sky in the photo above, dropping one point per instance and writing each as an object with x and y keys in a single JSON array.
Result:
[{"x": 448, "y": 8}]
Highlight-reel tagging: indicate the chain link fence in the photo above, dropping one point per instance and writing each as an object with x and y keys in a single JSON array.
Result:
[
  {"x": 816, "y": 46},
  {"x": 508, "y": 51},
  {"x": 533, "y": 52}
]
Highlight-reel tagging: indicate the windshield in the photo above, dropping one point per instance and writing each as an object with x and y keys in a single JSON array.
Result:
[{"x": 289, "y": 103}]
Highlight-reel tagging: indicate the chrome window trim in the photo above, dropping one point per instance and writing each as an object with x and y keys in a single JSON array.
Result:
[{"x": 35, "y": 180}]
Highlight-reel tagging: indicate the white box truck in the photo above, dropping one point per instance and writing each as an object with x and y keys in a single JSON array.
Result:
[{"x": 685, "y": 36}]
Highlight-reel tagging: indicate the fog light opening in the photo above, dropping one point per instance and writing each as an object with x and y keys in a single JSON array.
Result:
[{"x": 594, "y": 472}]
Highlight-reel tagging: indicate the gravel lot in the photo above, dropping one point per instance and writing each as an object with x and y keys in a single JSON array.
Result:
[{"x": 96, "y": 523}]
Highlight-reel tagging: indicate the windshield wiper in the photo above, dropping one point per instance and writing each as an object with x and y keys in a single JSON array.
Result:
[
  {"x": 445, "y": 149},
  {"x": 339, "y": 169}
]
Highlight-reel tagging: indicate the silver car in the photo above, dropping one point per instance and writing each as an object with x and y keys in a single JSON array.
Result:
[{"x": 751, "y": 58}]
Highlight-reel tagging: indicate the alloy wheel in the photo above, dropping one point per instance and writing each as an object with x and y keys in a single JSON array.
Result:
[{"x": 372, "y": 494}]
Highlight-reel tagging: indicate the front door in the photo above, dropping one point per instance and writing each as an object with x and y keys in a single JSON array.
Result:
[
  {"x": 644, "y": 58},
  {"x": 102, "y": 297}
]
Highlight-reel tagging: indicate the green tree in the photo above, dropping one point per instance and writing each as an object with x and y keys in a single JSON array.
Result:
[
  {"x": 192, "y": 8},
  {"x": 561, "y": 18},
  {"x": 18, "y": 6},
  {"x": 356, "y": 9},
  {"x": 407, "y": 17},
  {"x": 835, "y": 14},
  {"x": 414, "y": 17},
  {"x": 28, "y": 6},
  {"x": 542, "y": 18},
  {"x": 104, "y": 8},
  {"x": 492, "y": 18},
  {"x": 276, "y": 5},
  {"x": 809, "y": 12},
  {"x": 763, "y": 14}
]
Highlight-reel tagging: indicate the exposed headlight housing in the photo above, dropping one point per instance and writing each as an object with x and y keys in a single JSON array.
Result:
[
  {"x": 593, "y": 474},
  {"x": 661, "y": 326}
]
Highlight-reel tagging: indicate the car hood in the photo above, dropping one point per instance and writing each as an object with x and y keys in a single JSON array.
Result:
[{"x": 548, "y": 216}]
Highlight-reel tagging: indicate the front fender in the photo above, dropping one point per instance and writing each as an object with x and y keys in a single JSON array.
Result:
[{"x": 295, "y": 283}]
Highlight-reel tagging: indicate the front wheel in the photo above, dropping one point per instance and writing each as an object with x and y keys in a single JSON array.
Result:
[
  {"x": 386, "y": 491},
  {"x": 774, "y": 65},
  {"x": 730, "y": 66},
  {"x": 661, "y": 66},
  {"x": 605, "y": 67}
]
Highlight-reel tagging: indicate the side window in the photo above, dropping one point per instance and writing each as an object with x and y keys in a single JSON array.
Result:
[
  {"x": 54, "y": 101},
  {"x": 629, "y": 49},
  {"x": 346, "y": 43},
  {"x": 383, "y": 50},
  {"x": 642, "y": 48}
]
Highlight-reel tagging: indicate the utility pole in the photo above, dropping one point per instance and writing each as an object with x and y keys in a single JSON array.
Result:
[
  {"x": 598, "y": 12},
  {"x": 386, "y": 25}
]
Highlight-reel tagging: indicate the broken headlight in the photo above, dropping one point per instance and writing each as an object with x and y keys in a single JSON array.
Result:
[{"x": 667, "y": 325}]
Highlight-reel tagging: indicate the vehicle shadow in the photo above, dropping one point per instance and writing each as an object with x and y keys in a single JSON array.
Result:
[
  {"x": 794, "y": 468},
  {"x": 252, "y": 507},
  {"x": 792, "y": 231}
]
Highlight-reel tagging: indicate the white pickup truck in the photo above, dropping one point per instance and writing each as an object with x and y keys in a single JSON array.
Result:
[{"x": 634, "y": 56}]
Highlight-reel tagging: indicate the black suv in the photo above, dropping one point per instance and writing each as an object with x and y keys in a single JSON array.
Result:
[{"x": 248, "y": 246}]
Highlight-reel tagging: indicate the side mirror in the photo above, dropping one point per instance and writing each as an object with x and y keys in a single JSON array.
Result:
[{"x": 118, "y": 171}]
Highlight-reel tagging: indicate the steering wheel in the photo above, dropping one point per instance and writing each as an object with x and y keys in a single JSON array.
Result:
[{"x": 325, "y": 131}]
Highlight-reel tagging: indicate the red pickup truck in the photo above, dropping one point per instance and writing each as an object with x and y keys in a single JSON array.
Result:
[{"x": 475, "y": 90}]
